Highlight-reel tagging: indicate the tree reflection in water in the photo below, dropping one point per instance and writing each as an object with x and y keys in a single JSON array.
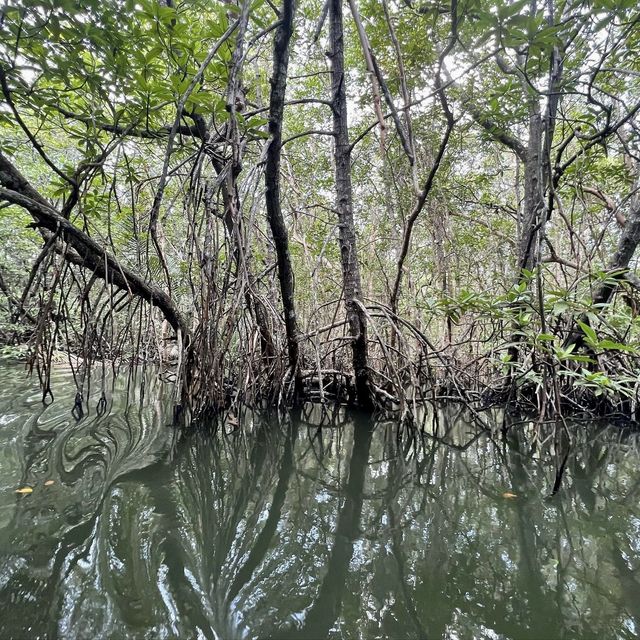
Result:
[{"x": 315, "y": 526}]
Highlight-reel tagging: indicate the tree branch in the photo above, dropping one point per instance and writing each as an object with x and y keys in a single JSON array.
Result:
[
  {"x": 17, "y": 190},
  {"x": 497, "y": 132}
]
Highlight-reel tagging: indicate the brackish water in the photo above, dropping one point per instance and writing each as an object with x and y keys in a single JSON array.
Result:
[{"x": 283, "y": 529}]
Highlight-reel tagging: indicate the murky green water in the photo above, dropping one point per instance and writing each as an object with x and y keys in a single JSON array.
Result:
[{"x": 271, "y": 531}]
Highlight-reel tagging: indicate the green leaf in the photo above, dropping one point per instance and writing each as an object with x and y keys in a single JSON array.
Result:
[
  {"x": 592, "y": 337},
  {"x": 614, "y": 346},
  {"x": 509, "y": 10}
]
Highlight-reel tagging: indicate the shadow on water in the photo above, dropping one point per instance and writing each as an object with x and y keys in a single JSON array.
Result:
[{"x": 321, "y": 525}]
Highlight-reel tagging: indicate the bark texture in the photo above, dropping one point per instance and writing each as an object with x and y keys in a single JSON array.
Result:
[
  {"x": 533, "y": 206},
  {"x": 272, "y": 184},
  {"x": 344, "y": 208},
  {"x": 626, "y": 249}
]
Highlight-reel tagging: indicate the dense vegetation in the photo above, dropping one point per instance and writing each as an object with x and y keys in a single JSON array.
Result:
[{"x": 378, "y": 201}]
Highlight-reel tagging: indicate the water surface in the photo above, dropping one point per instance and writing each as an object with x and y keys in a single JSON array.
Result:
[{"x": 312, "y": 526}]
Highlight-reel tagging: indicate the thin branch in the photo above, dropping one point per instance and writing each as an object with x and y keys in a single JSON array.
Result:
[
  {"x": 311, "y": 132},
  {"x": 94, "y": 256}
]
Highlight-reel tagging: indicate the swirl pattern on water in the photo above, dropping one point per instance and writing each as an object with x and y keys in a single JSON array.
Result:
[
  {"x": 48, "y": 536},
  {"x": 287, "y": 530}
]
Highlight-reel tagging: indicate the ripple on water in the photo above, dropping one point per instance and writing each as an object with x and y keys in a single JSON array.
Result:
[{"x": 347, "y": 532}]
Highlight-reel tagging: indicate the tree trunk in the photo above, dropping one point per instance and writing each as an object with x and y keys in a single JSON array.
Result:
[
  {"x": 236, "y": 101},
  {"x": 533, "y": 210},
  {"x": 627, "y": 245},
  {"x": 538, "y": 172},
  {"x": 344, "y": 207},
  {"x": 618, "y": 266},
  {"x": 272, "y": 183}
]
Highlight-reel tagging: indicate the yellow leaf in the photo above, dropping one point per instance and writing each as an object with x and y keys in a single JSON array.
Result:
[
  {"x": 24, "y": 490},
  {"x": 509, "y": 495},
  {"x": 48, "y": 483}
]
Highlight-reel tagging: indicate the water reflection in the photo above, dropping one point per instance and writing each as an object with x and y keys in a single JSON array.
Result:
[{"x": 287, "y": 530}]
